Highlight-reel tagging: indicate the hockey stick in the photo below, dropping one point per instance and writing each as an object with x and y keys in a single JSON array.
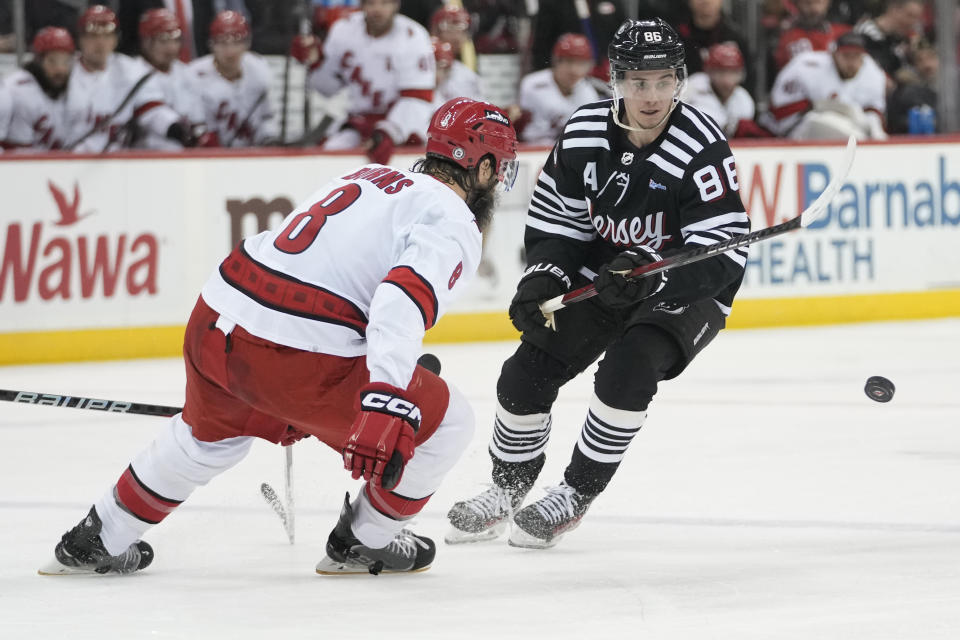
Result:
[
  {"x": 284, "y": 511},
  {"x": 245, "y": 121},
  {"x": 106, "y": 123},
  {"x": 78, "y": 402},
  {"x": 805, "y": 219}
]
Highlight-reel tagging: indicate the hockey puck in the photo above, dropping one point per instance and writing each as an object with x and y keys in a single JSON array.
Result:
[
  {"x": 430, "y": 362},
  {"x": 879, "y": 389}
]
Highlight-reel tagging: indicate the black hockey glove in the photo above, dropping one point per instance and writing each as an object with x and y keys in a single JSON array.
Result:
[
  {"x": 539, "y": 282},
  {"x": 614, "y": 290},
  {"x": 182, "y": 133}
]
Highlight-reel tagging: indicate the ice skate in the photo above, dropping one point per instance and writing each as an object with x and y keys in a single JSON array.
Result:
[
  {"x": 483, "y": 517},
  {"x": 406, "y": 553},
  {"x": 81, "y": 551},
  {"x": 541, "y": 525}
]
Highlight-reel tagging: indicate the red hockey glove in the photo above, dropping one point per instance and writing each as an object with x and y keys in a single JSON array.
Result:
[
  {"x": 540, "y": 282},
  {"x": 615, "y": 290},
  {"x": 380, "y": 147},
  {"x": 380, "y": 441},
  {"x": 307, "y": 49}
]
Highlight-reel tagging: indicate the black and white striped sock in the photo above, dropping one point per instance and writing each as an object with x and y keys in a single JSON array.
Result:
[{"x": 519, "y": 438}]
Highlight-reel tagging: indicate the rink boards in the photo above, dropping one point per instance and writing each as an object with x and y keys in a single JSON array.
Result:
[{"x": 103, "y": 257}]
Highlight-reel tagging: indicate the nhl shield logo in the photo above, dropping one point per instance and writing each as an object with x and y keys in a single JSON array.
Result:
[{"x": 626, "y": 158}]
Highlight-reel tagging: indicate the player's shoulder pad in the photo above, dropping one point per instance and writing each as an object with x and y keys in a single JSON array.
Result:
[
  {"x": 588, "y": 129},
  {"x": 343, "y": 28},
  {"x": 691, "y": 140},
  {"x": 256, "y": 62},
  {"x": 202, "y": 66},
  {"x": 411, "y": 29}
]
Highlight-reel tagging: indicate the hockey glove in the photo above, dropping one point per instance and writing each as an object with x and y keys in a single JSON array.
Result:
[
  {"x": 540, "y": 282},
  {"x": 381, "y": 439},
  {"x": 615, "y": 290},
  {"x": 307, "y": 50},
  {"x": 182, "y": 133},
  {"x": 380, "y": 147}
]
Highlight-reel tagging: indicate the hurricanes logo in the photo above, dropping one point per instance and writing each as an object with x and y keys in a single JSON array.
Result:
[{"x": 458, "y": 153}]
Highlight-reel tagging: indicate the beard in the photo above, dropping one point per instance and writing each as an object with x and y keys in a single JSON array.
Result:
[{"x": 482, "y": 202}]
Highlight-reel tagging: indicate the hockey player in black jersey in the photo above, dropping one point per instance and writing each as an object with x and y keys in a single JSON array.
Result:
[{"x": 630, "y": 180}]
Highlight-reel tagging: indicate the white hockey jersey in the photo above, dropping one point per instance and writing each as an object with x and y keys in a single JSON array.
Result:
[
  {"x": 182, "y": 94},
  {"x": 393, "y": 75},
  {"x": 37, "y": 121},
  {"x": 739, "y": 106},
  {"x": 240, "y": 111},
  {"x": 549, "y": 109},
  {"x": 365, "y": 265},
  {"x": 6, "y": 111},
  {"x": 112, "y": 116},
  {"x": 811, "y": 78},
  {"x": 461, "y": 81}
]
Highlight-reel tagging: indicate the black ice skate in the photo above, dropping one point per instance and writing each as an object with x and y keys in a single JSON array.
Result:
[
  {"x": 406, "y": 553},
  {"x": 542, "y": 524},
  {"x": 81, "y": 550},
  {"x": 483, "y": 517}
]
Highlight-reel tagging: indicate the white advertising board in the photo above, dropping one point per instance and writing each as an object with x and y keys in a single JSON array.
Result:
[{"x": 128, "y": 241}]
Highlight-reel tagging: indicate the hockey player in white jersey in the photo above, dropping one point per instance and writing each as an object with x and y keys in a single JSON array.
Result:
[
  {"x": 235, "y": 86},
  {"x": 829, "y": 95},
  {"x": 43, "y": 114},
  {"x": 454, "y": 79},
  {"x": 386, "y": 62},
  {"x": 123, "y": 94},
  {"x": 550, "y": 96},
  {"x": 717, "y": 90},
  {"x": 630, "y": 180},
  {"x": 160, "y": 42},
  {"x": 315, "y": 328}
]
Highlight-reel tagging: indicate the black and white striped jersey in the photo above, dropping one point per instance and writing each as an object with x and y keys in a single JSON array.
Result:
[{"x": 598, "y": 194}]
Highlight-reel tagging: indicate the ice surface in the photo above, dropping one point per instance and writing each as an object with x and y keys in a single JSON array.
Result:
[{"x": 765, "y": 498}]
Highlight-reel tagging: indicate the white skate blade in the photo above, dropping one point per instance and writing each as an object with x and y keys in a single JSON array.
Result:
[
  {"x": 522, "y": 539},
  {"x": 54, "y": 568},
  {"x": 457, "y": 536},
  {"x": 329, "y": 567}
]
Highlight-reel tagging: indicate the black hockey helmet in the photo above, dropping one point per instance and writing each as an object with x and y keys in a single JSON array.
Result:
[{"x": 646, "y": 45}]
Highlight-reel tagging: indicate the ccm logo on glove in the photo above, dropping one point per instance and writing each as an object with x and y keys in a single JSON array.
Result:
[{"x": 386, "y": 403}]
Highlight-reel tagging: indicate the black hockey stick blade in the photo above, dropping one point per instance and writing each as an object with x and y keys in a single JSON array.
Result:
[{"x": 805, "y": 219}]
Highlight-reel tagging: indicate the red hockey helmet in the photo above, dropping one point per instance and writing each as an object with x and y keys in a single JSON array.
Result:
[
  {"x": 464, "y": 130},
  {"x": 158, "y": 22},
  {"x": 442, "y": 52},
  {"x": 572, "y": 45},
  {"x": 725, "y": 56},
  {"x": 229, "y": 25},
  {"x": 98, "y": 19},
  {"x": 449, "y": 18},
  {"x": 52, "y": 39}
]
